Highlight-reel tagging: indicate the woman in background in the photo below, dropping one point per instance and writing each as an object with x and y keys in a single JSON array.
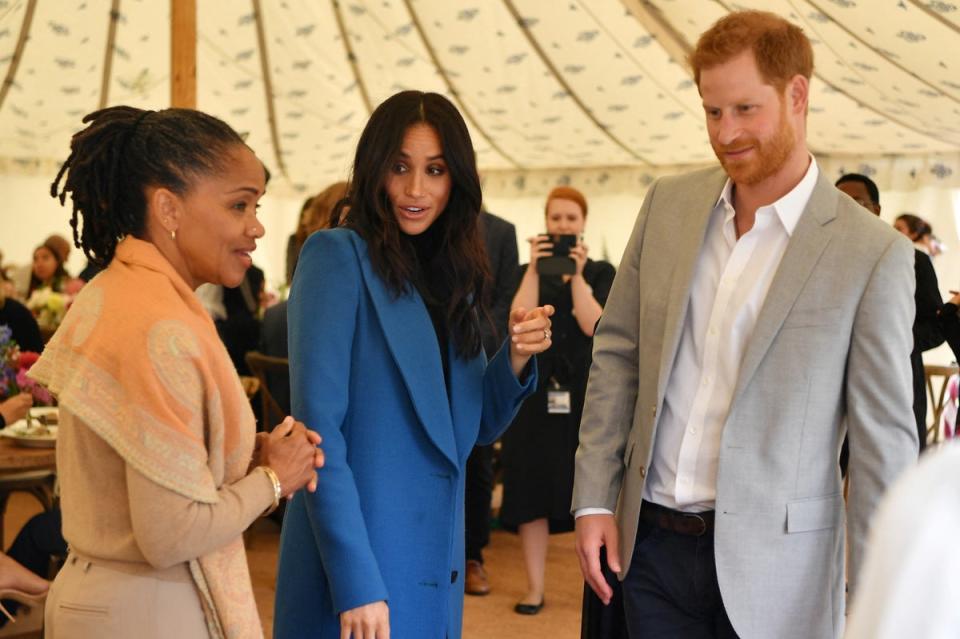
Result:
[
  {"x": 158, "y": 470},
  {"x": 48, "y": 270},
  {"x": 539, "y": 448},
  {"x": 386, "y": 362}
]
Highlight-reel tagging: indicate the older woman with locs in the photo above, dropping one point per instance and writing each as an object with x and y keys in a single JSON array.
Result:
[
  {"x": 386, "y": 362},
  {"x": 158, "y": 466}
]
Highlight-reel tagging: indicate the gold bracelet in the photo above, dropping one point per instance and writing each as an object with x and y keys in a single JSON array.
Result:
[{"x": 277, "y": 490}]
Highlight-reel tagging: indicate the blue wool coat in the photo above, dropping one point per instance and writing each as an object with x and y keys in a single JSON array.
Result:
[{"x": 386, "y": 521}]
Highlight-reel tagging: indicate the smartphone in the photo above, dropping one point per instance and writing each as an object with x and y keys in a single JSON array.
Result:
[{"x": 560, "y": 263}]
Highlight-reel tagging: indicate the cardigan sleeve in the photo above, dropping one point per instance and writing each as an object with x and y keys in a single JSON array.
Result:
[{"x": 170, "y": 528}]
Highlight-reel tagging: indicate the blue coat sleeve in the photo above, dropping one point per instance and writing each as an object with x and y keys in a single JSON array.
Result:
[
  {"x": 503, "y": 394},
  {"x": 323, "y": 311}
]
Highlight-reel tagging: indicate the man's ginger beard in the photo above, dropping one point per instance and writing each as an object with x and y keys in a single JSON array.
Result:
[{"x": 768, "y": 157}]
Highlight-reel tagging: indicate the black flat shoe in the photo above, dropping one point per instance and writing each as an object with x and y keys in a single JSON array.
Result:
[{"x": 528, "y": 609}]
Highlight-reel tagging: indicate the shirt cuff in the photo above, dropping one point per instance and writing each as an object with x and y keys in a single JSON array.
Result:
[{"x": 580, "y": 512}]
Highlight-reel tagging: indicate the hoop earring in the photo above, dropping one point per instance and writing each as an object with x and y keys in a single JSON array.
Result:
[{"x": 173, "y": 235}]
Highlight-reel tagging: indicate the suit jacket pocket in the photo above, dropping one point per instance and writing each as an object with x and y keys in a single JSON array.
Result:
[
  {"x": 818, "y": 513},
  {"x": 803, "y": 317}
]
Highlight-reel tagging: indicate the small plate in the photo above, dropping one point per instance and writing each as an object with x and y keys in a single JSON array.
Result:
[{"x": 35, "y": 434}]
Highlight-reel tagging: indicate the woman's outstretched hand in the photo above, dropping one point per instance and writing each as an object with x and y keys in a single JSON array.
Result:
[
  {"x": 291, "y": 451},
  {"x": 529, "y": 335}
]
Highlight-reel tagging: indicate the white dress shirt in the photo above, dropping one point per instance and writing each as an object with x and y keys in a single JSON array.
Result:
[{"x": 729, "y": 285}]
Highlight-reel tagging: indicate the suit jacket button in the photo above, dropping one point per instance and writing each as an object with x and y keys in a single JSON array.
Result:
[
  {"x": 453, "y": 577},
  {"x": 643, "y": 471}
]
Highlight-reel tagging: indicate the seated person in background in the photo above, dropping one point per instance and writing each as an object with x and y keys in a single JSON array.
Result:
[
  {"x": 23, "y": 325},
  {"x": 40, "y": 540},
  {"x": 236, "y": 314},
  {"x": 48, "y": 266},
  {"x": 24, "y": 587},
  {"x": 15, "y": 408}
]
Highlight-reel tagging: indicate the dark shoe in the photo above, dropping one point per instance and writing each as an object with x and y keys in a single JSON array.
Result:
[
  {"x": 476, "y": 582},
  {"x": 528, "y": 609}
]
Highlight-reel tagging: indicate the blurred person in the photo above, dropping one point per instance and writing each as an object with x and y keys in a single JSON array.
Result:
[
  {"x": 911, "y": 575},
  {"x": 386, "y": 360},
  {"x": 927, "y": 301},
  {"x": 920, "y": 233},
  {"x": 538, "y": 450},
  {"x": 294, "y": 243},
  {"x": 316, "y": 215},
  {"x": 21, "y": 586},
  {"x": 159, "y": 466},
  {"x": 500, "y": 241},
  {"x": 48, "y": 267},
  {"x": 757, "y": 315},
  {"x": 23, "y": 326}
]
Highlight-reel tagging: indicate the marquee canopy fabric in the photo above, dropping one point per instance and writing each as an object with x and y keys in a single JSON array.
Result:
[{"x": 545, "y": 85}]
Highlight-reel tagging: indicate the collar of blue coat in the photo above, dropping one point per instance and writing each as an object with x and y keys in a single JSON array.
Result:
[{"x": 413, "y": 345}]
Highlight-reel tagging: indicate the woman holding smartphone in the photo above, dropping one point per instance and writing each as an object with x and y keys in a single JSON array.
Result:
[{"x": 539, "y": 448}]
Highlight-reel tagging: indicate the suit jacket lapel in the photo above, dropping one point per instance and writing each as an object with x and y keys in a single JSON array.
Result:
[
  {"x": 693, "y": 215},
  {"x": 810, "y": 238},
  {"x": 413, "y": 344}
]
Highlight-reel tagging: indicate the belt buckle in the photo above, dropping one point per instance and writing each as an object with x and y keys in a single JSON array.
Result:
[{"x": 703, "y": 524}]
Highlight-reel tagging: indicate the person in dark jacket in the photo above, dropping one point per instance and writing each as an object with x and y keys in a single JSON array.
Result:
[{"x": 926, "y": 326}]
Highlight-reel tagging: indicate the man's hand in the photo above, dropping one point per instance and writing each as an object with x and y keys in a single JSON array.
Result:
[{"x": 594, "y": 531}]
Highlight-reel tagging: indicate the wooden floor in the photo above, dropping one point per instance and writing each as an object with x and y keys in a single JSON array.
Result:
[{"x": 489, "y": 617}]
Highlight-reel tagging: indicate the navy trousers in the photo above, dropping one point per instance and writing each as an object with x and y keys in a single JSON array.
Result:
[{"x": 671, "y": 589}]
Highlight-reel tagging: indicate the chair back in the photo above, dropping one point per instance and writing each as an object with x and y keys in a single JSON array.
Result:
[
  {"x": 265, "y": 368},
  {"x": 937, "y": 378}
]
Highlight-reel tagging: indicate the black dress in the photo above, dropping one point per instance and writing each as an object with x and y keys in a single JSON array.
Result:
[{"x": 539, "y": 447}]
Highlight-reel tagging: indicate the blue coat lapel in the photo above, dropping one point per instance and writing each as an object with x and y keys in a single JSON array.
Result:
[
  {"x": 413, "y": 344},
  {"x": 466, "y": 404}
]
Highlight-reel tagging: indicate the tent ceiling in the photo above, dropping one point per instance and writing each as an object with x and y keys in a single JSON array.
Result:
[{"x": 543, "y": 84}]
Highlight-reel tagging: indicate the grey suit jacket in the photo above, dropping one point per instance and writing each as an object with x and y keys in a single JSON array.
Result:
[{"x": 830, "y": 353}]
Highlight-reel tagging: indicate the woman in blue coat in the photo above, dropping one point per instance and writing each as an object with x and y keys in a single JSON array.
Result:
[{"x": 386, "y": 364}]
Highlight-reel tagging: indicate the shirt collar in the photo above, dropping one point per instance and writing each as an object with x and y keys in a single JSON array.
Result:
[{"x": 789, "y": 207}]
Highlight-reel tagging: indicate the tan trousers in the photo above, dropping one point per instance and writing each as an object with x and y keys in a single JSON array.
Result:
[{"x": 97, "y": 598}]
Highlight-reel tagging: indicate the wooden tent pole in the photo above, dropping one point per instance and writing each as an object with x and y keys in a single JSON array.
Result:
[{"x": 183, "y": 54}]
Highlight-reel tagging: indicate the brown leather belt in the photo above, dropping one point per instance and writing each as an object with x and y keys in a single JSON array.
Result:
[{"x": 693, "y": 524}]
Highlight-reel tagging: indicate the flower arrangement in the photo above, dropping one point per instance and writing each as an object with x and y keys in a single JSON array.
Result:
[
  {"x": 14, "y": 365},
  {"x": 48, "y": 306}
]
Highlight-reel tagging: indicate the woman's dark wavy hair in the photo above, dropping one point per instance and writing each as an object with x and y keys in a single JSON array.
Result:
[
  {"x": 461, "y": 266},
  {"x": 119, "y": 154}
]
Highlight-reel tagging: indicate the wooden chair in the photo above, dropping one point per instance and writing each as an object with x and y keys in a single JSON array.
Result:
[
  {"x": 935, "y": 374},
  {"x": 265, "y": 368}
]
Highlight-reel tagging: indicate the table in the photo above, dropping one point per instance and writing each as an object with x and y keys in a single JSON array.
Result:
[{"x": 15, "y": 458}]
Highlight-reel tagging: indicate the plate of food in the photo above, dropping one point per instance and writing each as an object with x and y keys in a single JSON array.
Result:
[{"x": 38, "y": 430}]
